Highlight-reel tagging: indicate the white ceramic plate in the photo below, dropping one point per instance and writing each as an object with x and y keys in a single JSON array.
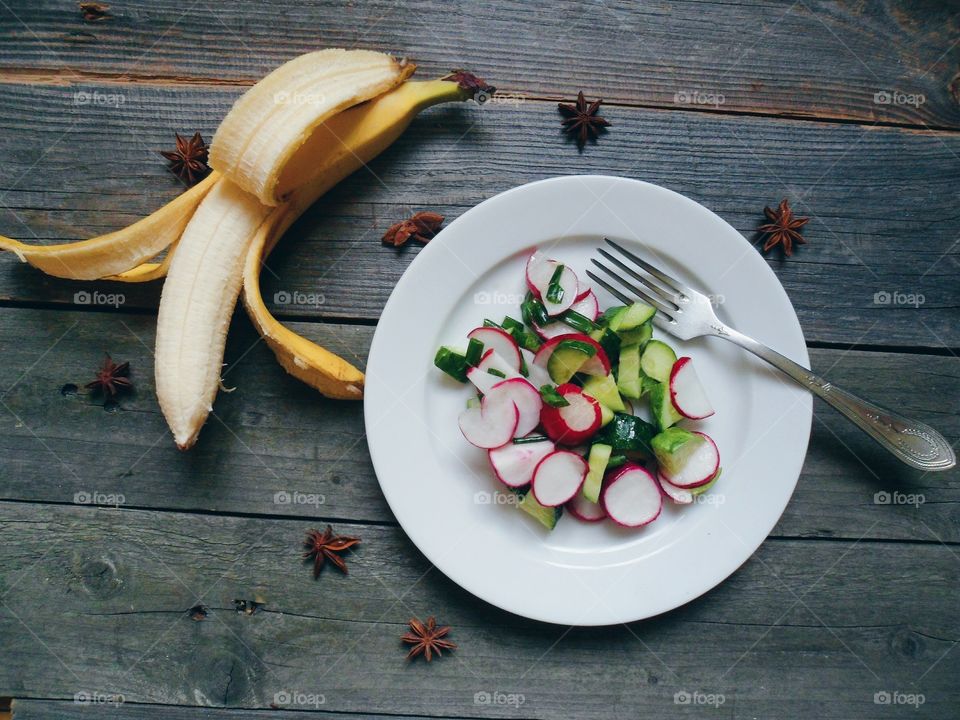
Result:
[{"x": 441, "y": 489}]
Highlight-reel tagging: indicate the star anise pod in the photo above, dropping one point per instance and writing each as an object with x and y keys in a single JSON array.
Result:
[
  {"x": 427, "y": 638},
  {"x": 189, "y": 160},
  {"x": 581, "y": 120},
  {"x": 111, "y": 378},
  {"x": 783, "y": 228},
  {"x": 421, "y": 227},
  {"x": 322, "y": 546},
  {"x": 94, "y": 11}
]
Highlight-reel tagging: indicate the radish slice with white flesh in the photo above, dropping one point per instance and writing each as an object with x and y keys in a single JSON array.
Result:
[
  {"x": 681, "y": 496},
  {"x": 558, "y": 477},
  {"x": 527, "y": 399},
  {"x": 500, "y": 341},
  {"x": 574, "y": 423},
  {"x": 492, "y": 424},
  {"x": 699, "y": 468},
  {"x": 483, "y": 380},
  {"x": 633, "y": 497},
  {"x": 537, "y": 375},
  {"x": 587, "y": 511},
  {"x": 686, "y": 391},
  {"x": 540, "y": 272},
  {"x": 514, "y": 463},
  {"x": 585, "y": 305}
]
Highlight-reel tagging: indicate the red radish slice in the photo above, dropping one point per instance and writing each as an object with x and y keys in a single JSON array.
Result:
[
  {"x": 699, "y": 468},
  {"x": 552, "y": 330},
  {"x": 540, "y": 271},
  {"x": 599, "y": 364},
  {"x": 537, "y": 375},
  {"x": 587, "y": 511},
  {"x": 686, "y": 391},
  {"x": 680, "y": 496},
  {"x": 500, "y": 341},
  {"x": 526, "y": 398},
  {"x": 514, "y": 464},
  {"x": 574, "y": 423},
  {"x": 558, "y": 477},
  {"x": 483, "y": 380},
  {"x": 584, "y": 291},
  {"x": 632, "y": 498},
  {"x": 492, "y": 424},
  {"x": 587, "y": 305}
]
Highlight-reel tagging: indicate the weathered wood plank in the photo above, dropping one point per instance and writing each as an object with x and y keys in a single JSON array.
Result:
[
  {"x": 880, "y": 224},
  {"x": 819, "y": 58},
  {"x": 274, "y": 436},
  {"x": 123, "y": 581}
]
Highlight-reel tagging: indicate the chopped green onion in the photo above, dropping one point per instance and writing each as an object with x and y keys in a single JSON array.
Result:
[
  {"x": 490, "y": 323},
  {"x": 552, "y": 398},
  {"x": 616, "y": 461},
  {"x": 495, "y": 372},
  {"x": 474, "y": 352},
  {"x": 452, "y": 363},
  {"x": 555, "y": 289},
  {"x": 534, "y": 313},
  {"x": 530, "y": 439},
  {"x": 580, "y": 323}
]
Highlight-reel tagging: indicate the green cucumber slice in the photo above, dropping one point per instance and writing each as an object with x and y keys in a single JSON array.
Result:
[
  {"x": 673, "y": 447},
  {"x": 606, "y": 415},
  {"x": 627, "y": 434},
  {"x": 628, "y": 372},
  {"x": 664, "y": 413},
  {"x": 567, "y": 359},
  {"x": 638, "y": 335},
  {"x": 609, "y": 341},
  {"x": 597, "y": 462},
  {"x": 657, "y": 360},
  {"x": 703, "y": 488},
  {"x": 627, "y": 318},
  {"x": 546, "y": 516},
  {"x": 605, "y": 390}
]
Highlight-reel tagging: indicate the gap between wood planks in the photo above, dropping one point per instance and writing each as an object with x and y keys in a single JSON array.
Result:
[{"x": 30, "y": 76}]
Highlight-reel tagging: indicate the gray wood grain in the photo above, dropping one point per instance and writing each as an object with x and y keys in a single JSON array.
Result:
[
  {"x": 274, "y": 436},
  {"x": 811, "y": 59},
  {"x": 97, "y": 600},
  {"x": 883, "y": 201}
]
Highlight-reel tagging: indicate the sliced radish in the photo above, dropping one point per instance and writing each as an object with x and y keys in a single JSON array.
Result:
[
  {"x": 699, "y": 468},
  {"x": 527, "y": 399},
  {"x": 552, "y": 330},
  {"x": 632, "y": 497},
  {"x": 582, "y": 508},
  {"x": 599, "y": 364},
  {"x": 483, "y": 380},
  {"x": 585, "y": 305},
  {"x": 681, "y": 496},
  {"x": 513, "y": 464},
  {"x": 558, "y": 477},
  {"x": 540, "y": 271},
  {"x": 574, "y": 423},
  {"x": 537, "y": 375},
  {"x": 500, "y": 341},
  {"x": 686, "y": 391},
  {"x": 492, "y": 424}
]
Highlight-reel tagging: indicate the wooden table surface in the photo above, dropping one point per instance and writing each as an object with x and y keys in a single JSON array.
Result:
[{"x": 849, "y": 610}]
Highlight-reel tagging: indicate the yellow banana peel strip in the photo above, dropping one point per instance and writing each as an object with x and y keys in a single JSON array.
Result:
[
  {"x": 336, "y": 149},
  {"x": 113, "y": 255}
]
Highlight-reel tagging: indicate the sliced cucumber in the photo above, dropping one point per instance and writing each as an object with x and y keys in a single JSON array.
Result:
[
  {"x": 664, "y": 413},
  {"x": 473, "y": 402},
  {"x": 703, "y": 488},
  {"x": 638, "y": 335},
  {"x": 616, "y": 461},
  {"x": 546, "y": 516},
  {"x": 609, "y": 341},
  {"x": 597, "y": 461},
  {"x": 606, "y": 415},
  {"x": 627, "y": 318},
  {"x": 673, "y": 447},
  {"x": 657, "y": 360},
  {"x": 604, "y": 389},
  {"x": 567, "y": 359},
  {"x": 628, "y": 372},
  {"x": 628, "y": 434}
]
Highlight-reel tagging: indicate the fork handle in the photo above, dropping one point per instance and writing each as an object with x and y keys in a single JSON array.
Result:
[{"x": 915, "y": 443}]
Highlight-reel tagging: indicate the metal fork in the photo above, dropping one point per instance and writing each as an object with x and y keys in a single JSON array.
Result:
[{"x": 686, "y": 313}]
